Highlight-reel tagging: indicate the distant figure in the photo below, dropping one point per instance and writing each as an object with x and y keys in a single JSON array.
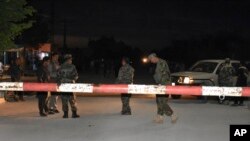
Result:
[
  {"x": 43, "y": 77},
  {"x": 225, "y": 77},
  {"x": 1, "y": 67},
  {"x": 162, "y": 77},
  {"x": 125, "y": 76},
  {"x": 68, "y": 74},
  {"x": 16, "y": 73},
  {"x": 53, "y": 69},
  {"x": 241, "y": 82}
]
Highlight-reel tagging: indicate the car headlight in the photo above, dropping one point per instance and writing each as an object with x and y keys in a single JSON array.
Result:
[{"x": 188, "y": 80}]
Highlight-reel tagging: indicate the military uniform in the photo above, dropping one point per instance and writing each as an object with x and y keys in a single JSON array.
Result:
[
  {"x": 242, "y": 74},
  {"x": 68, "y": 74},
  {"x": 225, "y": 78},
  {"x": 125, "y": 76},
  {"x": 162, "y": 77}
]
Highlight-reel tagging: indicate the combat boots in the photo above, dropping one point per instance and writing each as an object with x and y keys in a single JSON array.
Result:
[
  {"x": 126, "y": 112},
  {"x": 66, "y": 114},
  {"x": 75, "y": 115},
  {"x": 174, "y": 118},
  {"x": 159, "y": 119}
]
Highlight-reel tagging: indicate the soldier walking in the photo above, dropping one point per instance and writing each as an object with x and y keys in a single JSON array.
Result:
[
  {"x": 225, "y": 76},
  {"x": 162, "y": 77},
  {"x": 53, "y": 68},
  {"x": 125, "y": 76},
  {"x": 68, "y": 74}
]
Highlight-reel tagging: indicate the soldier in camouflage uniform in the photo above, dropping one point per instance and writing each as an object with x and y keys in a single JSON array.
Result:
[
  {"x": 68, "y": 74},
  {"x": 162, "y": 77},
  {"x": 125, "y": 76},
  {"x": 225, "y": 76}
]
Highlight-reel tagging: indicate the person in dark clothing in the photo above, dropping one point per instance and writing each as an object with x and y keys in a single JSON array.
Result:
[
  {"x": 43, "y": 77},
  {"x": 16, "y": 73},
  {"x": 241, "y": 82}
]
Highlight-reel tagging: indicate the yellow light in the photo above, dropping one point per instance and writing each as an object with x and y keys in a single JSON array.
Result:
[
  {"x": 188, "y": 80},
  {"x": 145, "y": 60}
]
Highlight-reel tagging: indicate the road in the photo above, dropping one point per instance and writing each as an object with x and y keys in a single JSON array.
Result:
[{"x": 101, "y": 121}]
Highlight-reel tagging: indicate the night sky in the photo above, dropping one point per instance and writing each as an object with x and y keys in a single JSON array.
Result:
[{"x": 147, "y": 23}]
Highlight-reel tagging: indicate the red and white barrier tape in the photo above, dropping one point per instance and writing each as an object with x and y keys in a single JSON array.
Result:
[{"x": 124, "y": 88}]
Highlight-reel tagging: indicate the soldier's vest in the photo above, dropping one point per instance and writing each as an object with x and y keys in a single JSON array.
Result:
[{"x": 67, "y": 73}]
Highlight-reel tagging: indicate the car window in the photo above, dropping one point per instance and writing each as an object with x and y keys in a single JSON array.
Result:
[{"x": 208, "y": 67}]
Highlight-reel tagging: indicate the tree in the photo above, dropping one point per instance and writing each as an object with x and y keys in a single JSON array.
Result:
[
  {"x": 13, "y": 20},
  {"x": 38, "y": 33}
]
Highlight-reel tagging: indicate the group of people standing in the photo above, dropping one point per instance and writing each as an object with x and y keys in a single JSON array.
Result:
[
  {"x": 50, "y": 71},
  {"x": 226, "y": 79}
]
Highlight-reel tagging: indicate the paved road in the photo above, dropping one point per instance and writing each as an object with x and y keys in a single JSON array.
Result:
[{"x": 100, "y": 121}]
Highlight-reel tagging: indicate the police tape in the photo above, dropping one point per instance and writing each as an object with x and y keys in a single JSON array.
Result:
[{"x": 127, "y": 88}]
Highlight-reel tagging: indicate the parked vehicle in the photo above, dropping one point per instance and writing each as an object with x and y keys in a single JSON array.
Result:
[{"x": 202, "y": 73}]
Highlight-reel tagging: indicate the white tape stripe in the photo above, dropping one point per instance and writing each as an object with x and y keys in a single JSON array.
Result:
[
  {"x": 81, "y": 88},
  {"x": 11, "y": 86},
  {"x": 146, "y": 89},
  {"x": 218, "y": 91}
]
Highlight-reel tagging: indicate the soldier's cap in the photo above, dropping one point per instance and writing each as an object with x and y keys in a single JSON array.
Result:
[
  {"x": 67, "y": 57},
  {"x": 152, "y": 55}
]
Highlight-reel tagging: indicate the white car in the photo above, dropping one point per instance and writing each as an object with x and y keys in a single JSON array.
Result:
[{"x": 202, "y": 73}]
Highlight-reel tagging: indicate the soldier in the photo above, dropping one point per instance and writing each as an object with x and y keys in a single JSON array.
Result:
[
  {"x": 16, "y": 73},
  {"x": 162, "y": 77},
  {"x": 43, "y": 77},
  {"x": 53, "y": 68},
  {"x": 68, "y": 74},
  {"x": 225, "y": 76},
  {"x": 242, "y": 74},
  {"x": 125, "y": 76}
]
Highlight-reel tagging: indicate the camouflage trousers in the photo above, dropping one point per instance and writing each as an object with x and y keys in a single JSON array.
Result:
[
  {"x": 68, "y": 98},
  {"x": 125, "y": 102},
  {"x": 162, "y": 105}
]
